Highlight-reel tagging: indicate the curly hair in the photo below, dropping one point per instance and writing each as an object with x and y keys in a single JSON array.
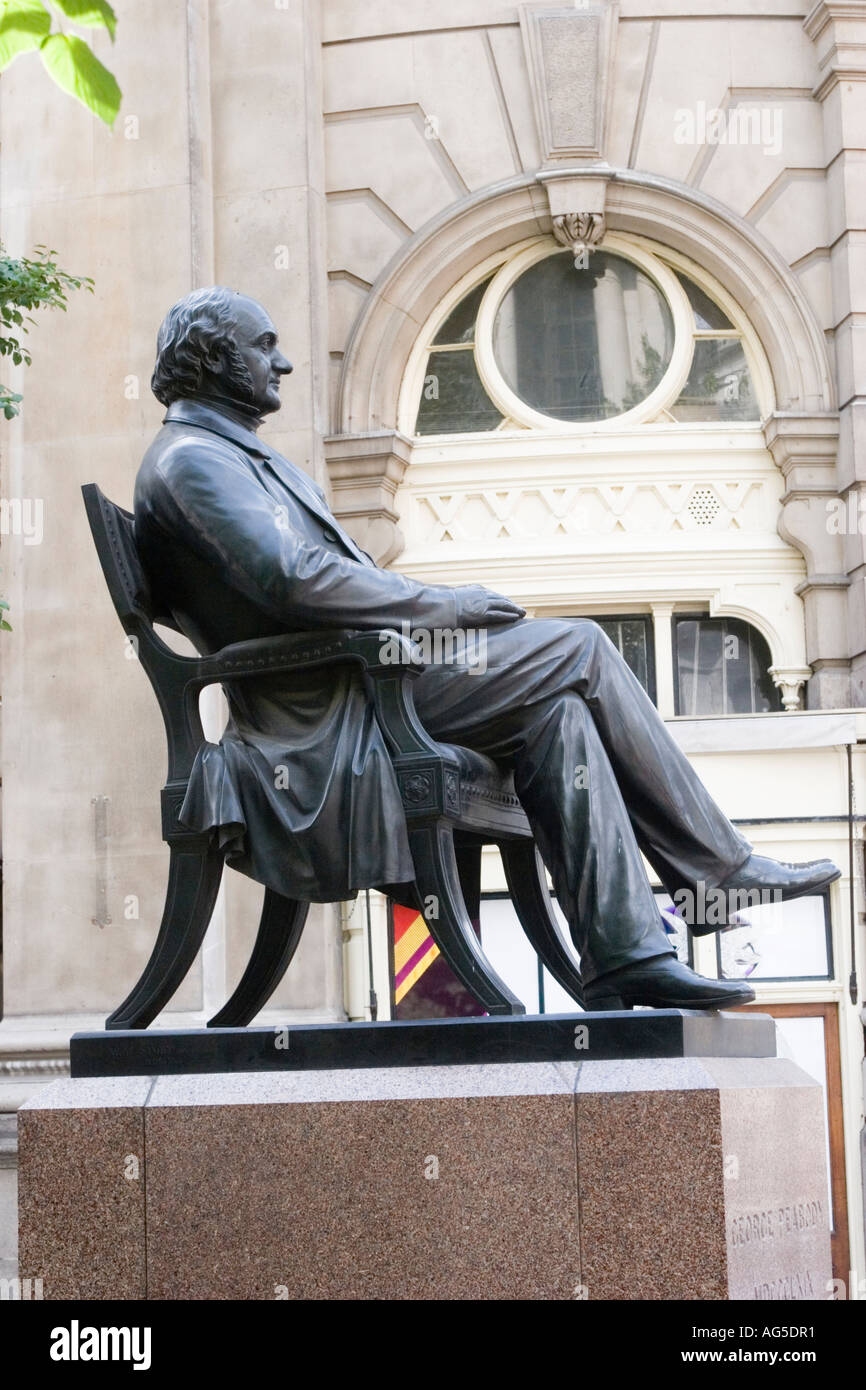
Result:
[{"x": 192, "y": 329}]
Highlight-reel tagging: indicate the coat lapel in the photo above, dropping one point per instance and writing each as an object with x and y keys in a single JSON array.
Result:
[{"x": 294, "y": 479}]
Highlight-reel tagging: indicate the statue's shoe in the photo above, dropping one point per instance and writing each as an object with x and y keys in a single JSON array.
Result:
[
  {"x": 663, "y": 982},
  {"x": 764, "y": 881},
  {"x": 788, "y": 880}
]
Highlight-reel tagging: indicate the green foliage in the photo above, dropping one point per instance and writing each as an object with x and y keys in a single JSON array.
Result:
[
  {"x": 26, "y": 25},
  {"x": 22, "y": 26},
  {"x": 4, "y": 607},
  {"x": 26, "y": 285},
  {"x": 89, "y": 14}
]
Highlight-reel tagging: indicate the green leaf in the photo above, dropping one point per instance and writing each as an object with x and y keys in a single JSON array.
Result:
[
  {"x": 76, "y": 68},
  {"x": 3, "y": 603},
  {"x": 91, "y": 14},
  {"x": 23, "y": 25}
]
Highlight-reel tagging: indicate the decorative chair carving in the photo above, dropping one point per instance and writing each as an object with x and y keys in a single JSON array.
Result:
[{"x": 454, "y": 801}]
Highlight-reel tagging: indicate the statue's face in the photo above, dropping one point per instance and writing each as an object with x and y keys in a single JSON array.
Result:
[{"x": 256, "y": 344}]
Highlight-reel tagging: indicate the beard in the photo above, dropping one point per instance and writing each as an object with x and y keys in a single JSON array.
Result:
[{"x": 237, "y": 382}]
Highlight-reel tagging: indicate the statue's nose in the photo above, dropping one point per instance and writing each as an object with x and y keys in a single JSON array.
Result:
[{"x": 282, "y": 365}]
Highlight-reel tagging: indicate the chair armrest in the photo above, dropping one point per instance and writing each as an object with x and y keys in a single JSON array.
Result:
[{"x": 298, "y": 651}]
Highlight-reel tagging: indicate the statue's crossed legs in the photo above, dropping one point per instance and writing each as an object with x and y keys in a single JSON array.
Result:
[{"x": 601, "y": 779}]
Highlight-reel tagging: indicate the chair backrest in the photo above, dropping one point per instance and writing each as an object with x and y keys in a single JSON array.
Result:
[
  {"x": 173, "y": 677},
  {"x": 114, "y": 538}
]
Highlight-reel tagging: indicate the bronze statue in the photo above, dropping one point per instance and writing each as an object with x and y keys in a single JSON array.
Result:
[{"x": 239, "y": 543}]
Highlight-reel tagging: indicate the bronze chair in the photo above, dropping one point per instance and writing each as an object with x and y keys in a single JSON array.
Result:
[{"x": 454, "y": 801}]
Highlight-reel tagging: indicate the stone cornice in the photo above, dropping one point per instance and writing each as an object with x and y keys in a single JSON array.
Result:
[
  {"x": 828, "y": 11},
  {"x": 834, "y": 76},
  {"x": 796, "y": 438},
  {"x": 365, "y": 471}
]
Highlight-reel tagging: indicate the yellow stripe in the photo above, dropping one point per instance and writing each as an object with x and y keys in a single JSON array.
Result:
[
  {"x": 410, "y": 941},
  {"x": 414, "y": 975}
]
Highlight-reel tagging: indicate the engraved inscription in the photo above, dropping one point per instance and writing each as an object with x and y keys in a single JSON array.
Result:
[
  {"x": 756, "y": 1226},
  {"x": 796, "y": 1287}
]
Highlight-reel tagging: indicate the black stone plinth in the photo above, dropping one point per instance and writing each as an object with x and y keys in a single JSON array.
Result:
[{"x": 430, "y": 1042}]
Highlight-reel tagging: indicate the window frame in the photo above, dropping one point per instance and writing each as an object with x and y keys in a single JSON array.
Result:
[
  {"x": 827, "y": 978},
  {"x": 659, "y": 262},
  {"x": 690, "y": 617},
  {"x": 668, "y": 389}
]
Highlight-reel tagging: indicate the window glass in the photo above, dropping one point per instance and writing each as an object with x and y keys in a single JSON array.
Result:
[
  {"x": 632, "y": 638},
  {"x": 459, "y": 327},
  {"x": 778, "y": 941},
  {"x": 453, "y": 400},
  {"x": 719, "y": 385},
  {"x": 678, "y": 933},
  {"x": 722, "y": 668},
  {"x": 583, "y": 344},
  {"x": 707, "y": 314}
]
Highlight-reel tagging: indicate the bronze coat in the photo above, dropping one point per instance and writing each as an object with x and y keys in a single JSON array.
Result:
[{"x": 239, "y": 543}]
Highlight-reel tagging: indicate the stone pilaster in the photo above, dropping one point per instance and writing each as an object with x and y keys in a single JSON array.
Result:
[{"x": 838, "y": 30}]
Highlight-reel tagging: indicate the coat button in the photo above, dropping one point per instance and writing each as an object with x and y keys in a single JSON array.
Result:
[{"x": 330, "y": 535}]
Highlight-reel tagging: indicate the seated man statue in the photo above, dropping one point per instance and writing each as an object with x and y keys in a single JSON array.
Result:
[{"x": 239, "y": 543}]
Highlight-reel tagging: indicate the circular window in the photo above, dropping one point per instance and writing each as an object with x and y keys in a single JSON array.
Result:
[
  {"x": 583, "y": 344},
  {"x": 544, "y": 340}
]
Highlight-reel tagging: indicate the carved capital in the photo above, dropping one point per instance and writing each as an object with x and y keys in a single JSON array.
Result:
[
  {"x": 804, "y": 446},
  {"x": 365, "y": 471},
  {"x": 579, "y": 231},
  {"x": 790, "y": 681},
  {"x": 804, "y": 449}
]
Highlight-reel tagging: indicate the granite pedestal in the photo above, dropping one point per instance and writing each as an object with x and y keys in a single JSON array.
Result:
[{"x": 695, "y": 1177}]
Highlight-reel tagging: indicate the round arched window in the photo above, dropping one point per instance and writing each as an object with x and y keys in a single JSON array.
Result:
[
  {"x": 583, "y": 345},
  {"x": 620, "y": 335}
]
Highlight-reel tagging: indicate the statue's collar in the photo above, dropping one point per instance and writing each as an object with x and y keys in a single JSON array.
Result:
[{"x": 211, "y": 417}]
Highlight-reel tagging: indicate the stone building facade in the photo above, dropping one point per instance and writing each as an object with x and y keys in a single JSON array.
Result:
[{"x": 375, "y": 173}]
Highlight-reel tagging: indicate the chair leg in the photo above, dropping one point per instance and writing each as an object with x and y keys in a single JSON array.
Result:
[
  {"x": 193, "y": 884},
  {"x": 438, "y": 885},
  {"x": 524, "y": 873},
  {"x": 468, "y": 856},
  {"x": 280, "y": 929}
]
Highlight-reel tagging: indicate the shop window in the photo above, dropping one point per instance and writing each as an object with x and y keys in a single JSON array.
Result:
[{"x": 778, "y": 941}]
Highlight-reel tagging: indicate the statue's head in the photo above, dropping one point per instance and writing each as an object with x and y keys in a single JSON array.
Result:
[{"x": 215, "y": 342}]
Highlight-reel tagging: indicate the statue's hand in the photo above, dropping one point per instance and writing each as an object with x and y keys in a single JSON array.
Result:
[{"x": 480, "y": 607}]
